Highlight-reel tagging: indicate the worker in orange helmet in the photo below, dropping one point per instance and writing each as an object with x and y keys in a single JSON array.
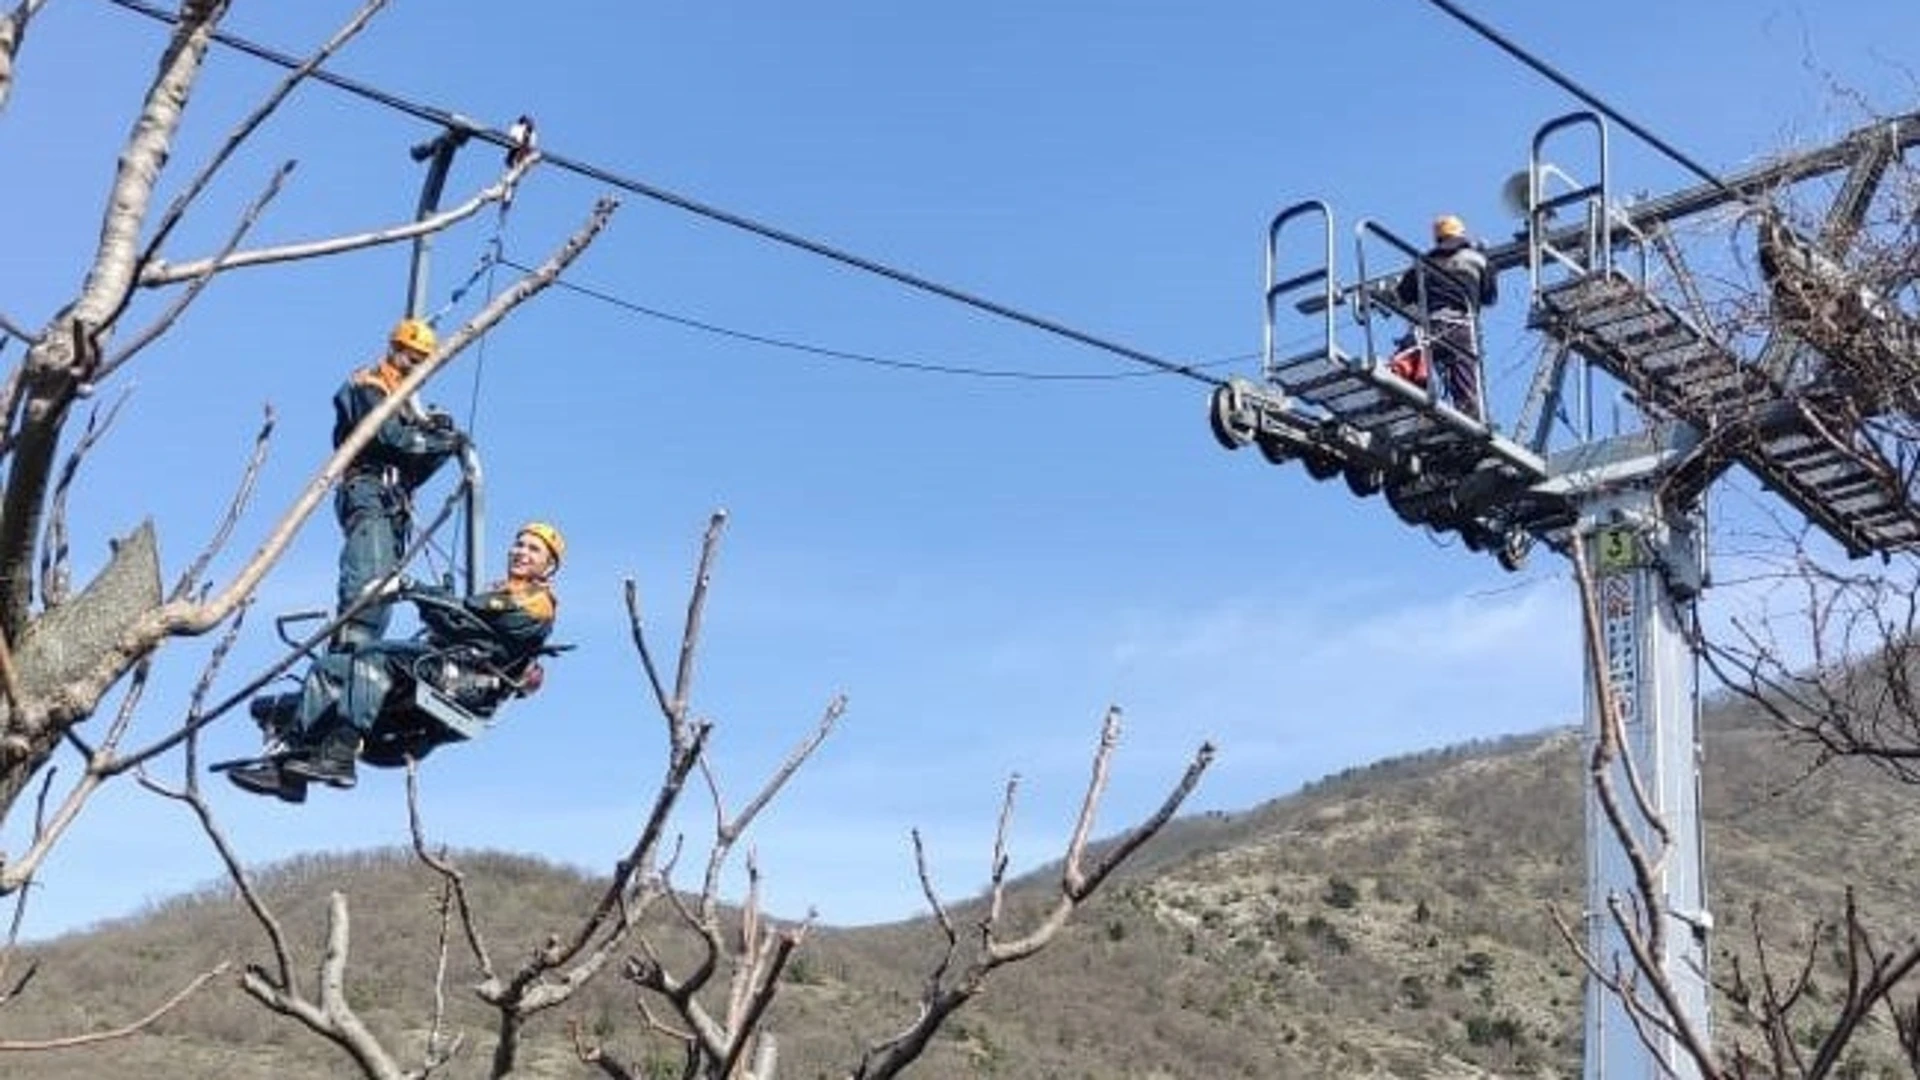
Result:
[
  {"x": 374, "y": 501},
  {"x": 1447, "y": 287}
]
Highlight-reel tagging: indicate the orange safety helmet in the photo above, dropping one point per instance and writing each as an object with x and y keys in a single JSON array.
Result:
[
  {"x": 1447, "y": 226},
  {"x": 413, "y": 335},
  {"x": 548, "y": 536}
]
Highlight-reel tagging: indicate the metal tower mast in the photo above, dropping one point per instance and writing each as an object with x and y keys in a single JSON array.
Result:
[{"x": 1792, "y": 415}]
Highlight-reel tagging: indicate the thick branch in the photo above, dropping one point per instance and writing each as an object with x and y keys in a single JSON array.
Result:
[
  {"x": 13, "y": 32},
  {"x": 62, "y": 358}
]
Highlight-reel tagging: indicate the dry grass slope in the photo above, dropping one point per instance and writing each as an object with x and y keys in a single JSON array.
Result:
[{"x": 1388, "y": 922}]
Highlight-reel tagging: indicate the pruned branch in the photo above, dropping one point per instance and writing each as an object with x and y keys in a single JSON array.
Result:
[{"x": 332, "y": 1018}]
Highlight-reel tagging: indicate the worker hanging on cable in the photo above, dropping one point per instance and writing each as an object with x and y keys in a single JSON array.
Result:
[
  {"x": 1448, "y": 286},
  {"x": 374, "y": 501},
  {"x": 475, "y": 652}
]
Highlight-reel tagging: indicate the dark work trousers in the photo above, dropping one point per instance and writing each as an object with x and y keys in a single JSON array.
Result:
[
  {"x": 347, "y": 690},
  {"x": 1456, "y": 353},
  {"x": 376, "y": 521}
]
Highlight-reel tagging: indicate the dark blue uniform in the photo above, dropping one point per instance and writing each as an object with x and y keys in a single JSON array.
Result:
[
  {"x": 497, "y": 631},
  {"x": 1457, "y": 282},
  {"x": 374, "y": 502},
  {"x": 476, "y": 650}
]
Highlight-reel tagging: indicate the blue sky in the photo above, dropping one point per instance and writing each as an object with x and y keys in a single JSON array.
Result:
[{"x": 981, "y": 565}]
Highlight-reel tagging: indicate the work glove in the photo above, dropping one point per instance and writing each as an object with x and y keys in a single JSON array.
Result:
[{"x": 445, "y": 435}]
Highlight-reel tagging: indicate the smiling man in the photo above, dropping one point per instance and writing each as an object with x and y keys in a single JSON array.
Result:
[{"x": 477, "y": 650}]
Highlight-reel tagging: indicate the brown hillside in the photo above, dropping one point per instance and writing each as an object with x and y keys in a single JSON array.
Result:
[{"x": 1390, "y": 921}]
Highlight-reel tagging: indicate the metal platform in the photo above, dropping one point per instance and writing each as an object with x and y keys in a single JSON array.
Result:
[
  {"x": 1340, "y": 409},
  {"x": 1436, "y": 466}
]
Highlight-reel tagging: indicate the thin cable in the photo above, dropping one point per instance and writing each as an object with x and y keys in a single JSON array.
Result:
[
  {"x": 496, "y": 251},
  {"x": 473, "y": 129},
  {"x": 1585, "y": 95},
  {"x": 896, "y": 363}
]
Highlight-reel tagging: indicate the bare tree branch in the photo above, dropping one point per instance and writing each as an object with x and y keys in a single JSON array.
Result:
[
  {"x": 62, "y": 358},
  {"x": 242, "y": 495},
  {"x": 177, "y": 209},
  {"x": 332, "y": 1018},
  {"x": 696, "y": 606},
  {"x": 19, "y": 917},
  {"x": 1645, "y": 937},
  {"x": 54, "y": 575},
  {"x": 48, "y": 833},
  {"x": 167, "y": 318},
  {"x": 452, "y": 879},
  {"x": 13, "y": 32},
  {"x": 164, "y": 273},
  {"x": 595, "y": 1055},
  {"x": 92, "y": 1038},
  {"x": 941, "y": 998}
]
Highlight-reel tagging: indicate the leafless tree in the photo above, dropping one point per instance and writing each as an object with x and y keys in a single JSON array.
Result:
[
  {"x": 712, "y": 1009},
  {"x": 62, "y": 650}
]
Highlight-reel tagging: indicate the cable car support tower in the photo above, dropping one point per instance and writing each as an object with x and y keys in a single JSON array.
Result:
[{"x": 1794, "y": 414}]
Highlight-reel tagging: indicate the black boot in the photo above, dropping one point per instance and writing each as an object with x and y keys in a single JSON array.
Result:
[
  {"x": 330, "y": 762},
  {"x": 266, "y": 777}
]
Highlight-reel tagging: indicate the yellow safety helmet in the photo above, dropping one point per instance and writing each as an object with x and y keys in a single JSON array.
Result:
[
  {"x": 413, "y": 335},
  {"x": 1447, "y": 226},
  {"x": 547, "y": 535}
]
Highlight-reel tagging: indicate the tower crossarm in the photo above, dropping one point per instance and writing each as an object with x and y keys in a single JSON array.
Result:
[
  {"x": 1814, "y": 459},
  {"x": 1900, "y": 133},
  {"x": 1671, "y": 366}
]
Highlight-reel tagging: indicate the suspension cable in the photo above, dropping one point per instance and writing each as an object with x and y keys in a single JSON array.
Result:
[
  {"x": 449, "y": 119},
  {"x": 1591, "y": 99}
]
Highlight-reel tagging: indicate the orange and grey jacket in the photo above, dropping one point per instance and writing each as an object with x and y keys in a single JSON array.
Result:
[
  {"x": 517, "y": 617},
  {"x": 404, "y": 449}
]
